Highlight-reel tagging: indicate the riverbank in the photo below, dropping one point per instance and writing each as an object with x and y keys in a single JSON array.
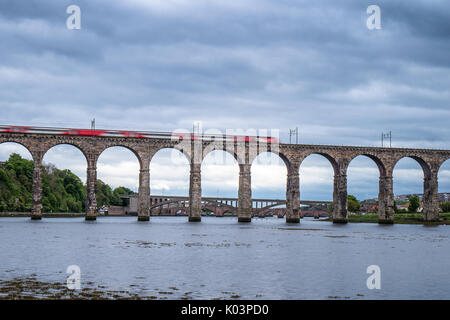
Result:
[
  {"x": 29, "y": 288},
  {"x": 404, "y": 218},
  {"x": 44, "y": 215},
  {"x": 401, "y": 218},
  {"x": 76, "y": 215}
]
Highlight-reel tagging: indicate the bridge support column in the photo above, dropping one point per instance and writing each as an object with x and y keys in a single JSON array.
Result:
[
  {"x": 386, "y": 200},
  {"x": 430, "y": 198},
  {"x": 36, "y": 207},
  {"x": 144, "y": 195},
  {"x": 195, "y": 193},
  {"x": 245, "y": 194},
  {"x": 340, "y": 199},
  {"x": 91, "y": 200},
  {"x": 293, "y": 196}
]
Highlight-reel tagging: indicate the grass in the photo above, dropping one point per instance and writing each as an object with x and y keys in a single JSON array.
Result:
[{"x": 401, "y": 218}]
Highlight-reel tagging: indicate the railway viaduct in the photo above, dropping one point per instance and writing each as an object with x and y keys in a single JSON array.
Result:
[{"x": 244, "y": 152}]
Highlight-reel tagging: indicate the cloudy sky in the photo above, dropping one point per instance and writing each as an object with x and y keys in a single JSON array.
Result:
[{"x": 262, "y": 64}]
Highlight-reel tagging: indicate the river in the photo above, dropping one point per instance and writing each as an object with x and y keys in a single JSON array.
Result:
[{"x": 170, "y": 258}]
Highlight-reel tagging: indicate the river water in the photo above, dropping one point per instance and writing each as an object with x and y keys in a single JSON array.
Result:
[{"x": 222, "y": 259}]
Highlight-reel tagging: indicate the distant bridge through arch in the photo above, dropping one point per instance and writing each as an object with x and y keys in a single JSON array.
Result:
[{"x": 170, "y": 205}]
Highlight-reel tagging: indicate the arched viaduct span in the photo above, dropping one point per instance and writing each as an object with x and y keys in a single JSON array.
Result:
[{"x": 244, "y": 152}]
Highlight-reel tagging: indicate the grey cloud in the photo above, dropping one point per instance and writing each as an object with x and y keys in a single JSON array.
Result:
[{"x": 258, "y": 64}]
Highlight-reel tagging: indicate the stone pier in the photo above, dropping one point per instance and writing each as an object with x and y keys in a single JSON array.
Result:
[
  {"x": 386, "y": 208},
  {"x": 144, "y": 195},
  {"x": 245, "y": 194},
  {"x": 430, "y": 198},
  {"x": 340, "y": 199},
  {"x": 91, "y": 200},
  {"x": 195, "y": 193},
  {"x": 293, "y": 195},
  {"x": 36, "y": 206}
]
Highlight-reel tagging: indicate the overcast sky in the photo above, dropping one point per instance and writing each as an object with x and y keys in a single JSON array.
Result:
[{"x": 280, "y": 64}]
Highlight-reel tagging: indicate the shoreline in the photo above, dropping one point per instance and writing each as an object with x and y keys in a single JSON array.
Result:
[
  {"x": 30, "y": 288},
  {"x": 44, "y": 215},
  {"x": 399, "y": 218},
  {"x": 367, "y": 218}
]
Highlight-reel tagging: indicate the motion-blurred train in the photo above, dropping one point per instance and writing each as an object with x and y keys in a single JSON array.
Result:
[{"x": 137, "y": 134}]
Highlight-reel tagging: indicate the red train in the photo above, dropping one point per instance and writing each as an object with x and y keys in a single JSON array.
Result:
[{"x": 136, "y": 134}]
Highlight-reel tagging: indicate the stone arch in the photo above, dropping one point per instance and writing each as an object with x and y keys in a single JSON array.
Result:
[
  {"x": 334, "y": 163},
  {"x": 443, "y": 175},
  {"x": 53, "y": 145},
  {"x": 441, "y": 163},
  {"x": 380, "y": 164},
  {"x": 273, "y": 205},
  {"x": 211, "y": 148},
  {"x": 118, "y": 145},
  {"x": 216, "y": 204},
  {"x": 23, "y": 203},
  {"x": 281, "y": 155},
  {"x": 235, "y": 167},
  {"x": 170, "y": 147},
  {"x": 174, "y": 165},
  {"x": 430, "y": 197},
  {"x": 281, "y": 176},
  {"x": 413, "y": 165},
  {"x": 168, "y": 202},
  {"x": 424, "y": 164},
  {"x": 18, "y": 142},
  {"x": 373, "y": 184},
  {"x": 69, "y": 159},
  {"x": 330, "y": 159},
  {"x": 134, "y": 175}
]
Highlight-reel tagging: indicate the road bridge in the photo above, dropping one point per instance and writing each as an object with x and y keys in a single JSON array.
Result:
[{"x": 160, "y": 204}]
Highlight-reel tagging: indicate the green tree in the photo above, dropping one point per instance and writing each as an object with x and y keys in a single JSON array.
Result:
[
  {"x": 395, "y": 207},
  {"x": 414, "y": 203},
  {"x": 104, "y": 194},
  {"x": 15, "y": 184},
  {"x": 62, "y": 190},
  {"x": 121, "y": 191},
  {"x": 445, "y": 207},
  {"x": 353, "y": 204}
]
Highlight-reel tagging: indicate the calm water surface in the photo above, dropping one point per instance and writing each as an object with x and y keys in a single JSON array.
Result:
[{"x": 220, "y": 258}]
